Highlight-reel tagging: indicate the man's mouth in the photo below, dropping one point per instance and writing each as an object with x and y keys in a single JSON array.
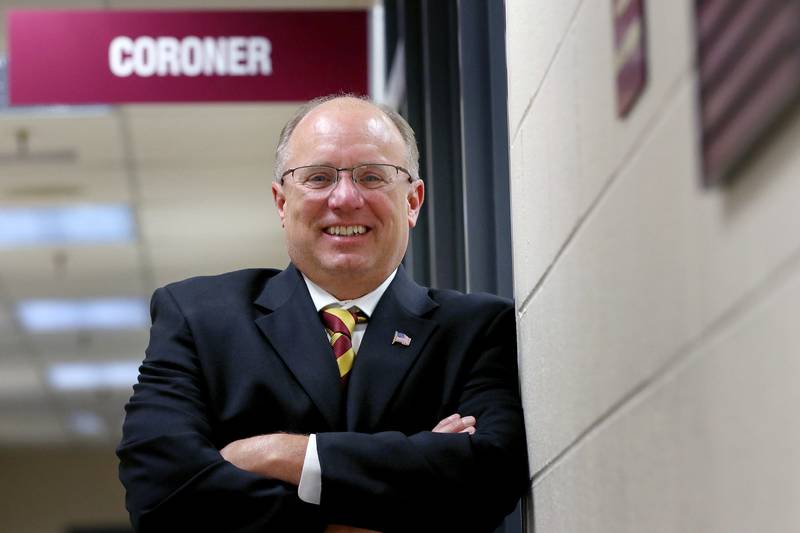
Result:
[{"x": 346, "y": 231}]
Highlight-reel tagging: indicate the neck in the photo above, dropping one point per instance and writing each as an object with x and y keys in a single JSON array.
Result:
[{"x": 348, "y": 289}]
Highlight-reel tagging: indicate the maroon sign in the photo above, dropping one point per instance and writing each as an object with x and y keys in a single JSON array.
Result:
[
  {"x": 629, "y": 53},
  {"x": 89, "y": 57}
]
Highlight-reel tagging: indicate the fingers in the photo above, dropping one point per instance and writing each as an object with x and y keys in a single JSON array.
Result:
[
  {"x": 468, "y": 425},
  {"x": 446, "y": 423},
  {"x": 455, "y": 423},
  {"x": 336, "y": 528}
]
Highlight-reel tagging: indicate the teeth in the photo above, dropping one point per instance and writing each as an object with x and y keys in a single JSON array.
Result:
[{"x": 345, "y": 230}]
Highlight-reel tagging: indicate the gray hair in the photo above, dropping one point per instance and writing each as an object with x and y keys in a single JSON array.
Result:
[{"x": 410, "y": 140}]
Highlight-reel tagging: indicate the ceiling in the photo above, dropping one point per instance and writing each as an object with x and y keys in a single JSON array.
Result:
[{"x": 197, "y": 180}]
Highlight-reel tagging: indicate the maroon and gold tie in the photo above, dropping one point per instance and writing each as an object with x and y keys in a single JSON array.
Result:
[{"x": 340, "y": 324}]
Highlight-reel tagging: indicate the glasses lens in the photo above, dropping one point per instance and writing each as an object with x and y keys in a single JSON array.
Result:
[
  {"x": 319, "y": 177},
  {"x": 374, "y": 176}
]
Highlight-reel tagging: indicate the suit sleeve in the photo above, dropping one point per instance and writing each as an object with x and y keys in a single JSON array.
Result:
[
  {"x": 388, "y": 481},
  {"x": 175, "y": 478}
]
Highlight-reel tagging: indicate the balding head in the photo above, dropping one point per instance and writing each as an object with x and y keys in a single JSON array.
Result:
[
  {"x": 346, "y": 234},
  {"x": 342, "y": 100}
]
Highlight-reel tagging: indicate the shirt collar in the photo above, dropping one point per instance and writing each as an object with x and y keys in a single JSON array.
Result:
[{"x": 366, "y": 303}]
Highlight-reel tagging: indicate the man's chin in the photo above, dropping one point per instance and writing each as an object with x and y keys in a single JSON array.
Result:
[{"x": 350, "y": 265}]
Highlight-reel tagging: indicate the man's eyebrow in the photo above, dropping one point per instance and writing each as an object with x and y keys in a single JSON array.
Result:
[{"x": 359, "y": 164}]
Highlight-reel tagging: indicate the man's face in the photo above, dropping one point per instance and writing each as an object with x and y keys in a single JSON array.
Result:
[{"x": 344, "y": 133}]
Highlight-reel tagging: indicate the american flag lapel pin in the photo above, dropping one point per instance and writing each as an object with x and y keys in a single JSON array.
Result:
[{"x": 401, "y": 338}]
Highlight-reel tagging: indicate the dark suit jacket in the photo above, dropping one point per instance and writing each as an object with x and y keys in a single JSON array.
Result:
[{"x": 245, "y": 354}]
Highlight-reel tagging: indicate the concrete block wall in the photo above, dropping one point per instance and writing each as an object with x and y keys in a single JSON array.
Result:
[{"x": 658, "y": 348}]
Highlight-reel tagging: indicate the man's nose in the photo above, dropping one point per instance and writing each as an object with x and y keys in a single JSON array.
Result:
[{"x": 345, "y": 193}]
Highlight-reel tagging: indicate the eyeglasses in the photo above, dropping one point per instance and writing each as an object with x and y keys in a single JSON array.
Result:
[{"x": 368, "y": 176}]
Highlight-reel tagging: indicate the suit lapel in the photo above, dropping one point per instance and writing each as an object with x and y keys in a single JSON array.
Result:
[
  {"x": 380, "y": 365},
  {"x": 294, "y": 330}
]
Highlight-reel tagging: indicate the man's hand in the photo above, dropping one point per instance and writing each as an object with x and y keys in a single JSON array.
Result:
[
  {"x": 277, "y": 455},
  {"x": 456, "y": 424}
]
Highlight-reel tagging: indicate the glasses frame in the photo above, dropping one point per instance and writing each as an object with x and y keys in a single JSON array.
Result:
[{"x": 397, "y": 168}]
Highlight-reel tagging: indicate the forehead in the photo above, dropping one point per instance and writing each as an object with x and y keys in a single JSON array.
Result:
[{"x": 346, "y": 126}]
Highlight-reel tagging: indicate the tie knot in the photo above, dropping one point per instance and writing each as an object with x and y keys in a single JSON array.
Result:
[{"x": 341, "y": 320}]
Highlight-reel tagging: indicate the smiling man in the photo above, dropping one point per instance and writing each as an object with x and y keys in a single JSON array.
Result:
[
  {"x": 347, "y": 236},
  {"x": 336, "y": 394}
]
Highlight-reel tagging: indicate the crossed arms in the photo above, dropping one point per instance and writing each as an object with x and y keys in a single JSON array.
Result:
[
  {"x": 280, "y": 455},
  {"x": 179, "y": 474}
]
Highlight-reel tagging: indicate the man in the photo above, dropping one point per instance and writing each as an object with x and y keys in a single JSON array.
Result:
[{"x": 263, "y": 407}]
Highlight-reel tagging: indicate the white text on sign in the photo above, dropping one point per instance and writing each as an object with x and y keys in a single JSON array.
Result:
[{"x": 190, "y": 56}]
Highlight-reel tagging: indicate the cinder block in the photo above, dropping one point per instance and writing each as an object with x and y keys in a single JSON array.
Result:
[
  {"x": 606, "y": 140},
  {"x": 543, "y": 185},
  {"x": 656, "y": 264},
  {"x": 711, "y": 446},
  {"x": 534, "y": 30},
  {"x": 573, "y": 141}
]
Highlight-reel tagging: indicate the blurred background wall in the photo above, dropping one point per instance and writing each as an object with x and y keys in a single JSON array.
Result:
[
  {"x": 186, "y": 191},
  {"x": 168, "y": 191},
  {"x": 655, "y": 305},
  {"x": 59, "y": 488},
  {"x": 660, "y": 352}
]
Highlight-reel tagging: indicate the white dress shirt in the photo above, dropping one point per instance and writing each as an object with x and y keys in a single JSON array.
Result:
[{"x": 310, "y": 488}]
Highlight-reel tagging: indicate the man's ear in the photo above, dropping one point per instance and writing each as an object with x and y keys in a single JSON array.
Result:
[
  {"x": 416, "y": 195},
  {"x": 280, "y": 199}
]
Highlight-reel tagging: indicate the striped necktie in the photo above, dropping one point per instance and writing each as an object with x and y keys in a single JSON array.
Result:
[{"x": 340, "y": 324}]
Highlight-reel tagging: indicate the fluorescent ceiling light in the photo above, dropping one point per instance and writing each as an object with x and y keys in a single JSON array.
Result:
[
  {"x": 47, "y": 315},
  {"x": 87, "y": 423},
  {"x": 84, "y": 376},
  {"x": 73, "y": 224},
  {"x": 55, "y": 110}
]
